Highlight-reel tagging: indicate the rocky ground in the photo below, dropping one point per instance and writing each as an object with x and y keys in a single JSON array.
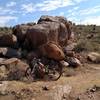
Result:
[
  {"x": 53, "y": 38},
  {"x": 81, "y": 83}
]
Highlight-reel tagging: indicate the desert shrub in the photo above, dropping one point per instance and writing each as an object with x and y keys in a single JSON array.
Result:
[
  {"x": 86, "y": 45},
  {"x": 81, "y": 46},
  {"x": 5, "y": 30},
  {"x": 96, "y": 39}
]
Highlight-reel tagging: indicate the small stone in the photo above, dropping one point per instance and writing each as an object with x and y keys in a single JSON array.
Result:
[
  {"x": 65, "y": 96},
  {"x": 64, "y": 63},
  {"x": 74, "y": 62},
  {"x": 46, "y": 88},
  {"x": 3, "y": 87}
]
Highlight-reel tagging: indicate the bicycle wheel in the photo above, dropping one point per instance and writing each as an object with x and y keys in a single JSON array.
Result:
[
  {"x": 39, "y": 72},
  {"x": 55, "y": 73},
  {"x": 29, "y": 73}
]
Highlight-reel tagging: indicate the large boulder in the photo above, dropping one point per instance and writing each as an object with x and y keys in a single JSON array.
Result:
[
  {"x": 8, "y": 40},
  {"x": 65, "y": 28},
  {"x": 9, "y": 53},
  {"x": 53, "y": 51},
  {"x": 20, "y": 30},
  {"x": 43, "y": 34},
  {"x": 48, "y": 29},
  {"x": 53, "y": 32},
  {"x": 94, "y": 57}
]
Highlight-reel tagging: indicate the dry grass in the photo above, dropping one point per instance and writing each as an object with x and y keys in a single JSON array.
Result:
[{"x": 87, "y": 38}]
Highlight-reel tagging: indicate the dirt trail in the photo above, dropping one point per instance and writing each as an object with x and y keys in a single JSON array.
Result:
[{"x": 78, "y": 83}]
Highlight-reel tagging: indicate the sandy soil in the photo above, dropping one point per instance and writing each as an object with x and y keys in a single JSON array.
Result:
[{"x": 75, "y": 84}]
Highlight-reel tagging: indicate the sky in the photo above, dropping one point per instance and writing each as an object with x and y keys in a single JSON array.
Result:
[{"x": 14, "y": 12}]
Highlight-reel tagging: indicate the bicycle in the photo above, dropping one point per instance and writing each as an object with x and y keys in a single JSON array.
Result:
[{"x": 38, "y": 70}]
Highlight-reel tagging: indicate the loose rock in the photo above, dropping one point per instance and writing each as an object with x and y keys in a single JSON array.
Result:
[
  {"x": 9, "y": 40},
  {"x": 74, "y": 62},
  {"x": 13, "y": 69},
  {"x": 64, "y": 63},
  {"x": 94, "y": 57}
]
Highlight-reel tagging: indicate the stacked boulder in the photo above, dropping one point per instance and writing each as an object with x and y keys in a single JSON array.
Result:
[
  {"x": 20, "y": 31},
  {"x": 12, "y": 69},
  {"x": 8, "y": 40},
  {"x": 48, "y": 38}
]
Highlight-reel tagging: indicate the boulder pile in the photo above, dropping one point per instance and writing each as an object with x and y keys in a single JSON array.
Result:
[{"x": 49, "y": 38}]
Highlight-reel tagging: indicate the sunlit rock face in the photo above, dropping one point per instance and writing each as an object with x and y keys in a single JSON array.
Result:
[{"x": 48, "y": 29}]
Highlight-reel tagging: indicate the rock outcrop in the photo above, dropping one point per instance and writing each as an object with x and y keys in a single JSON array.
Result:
[
  {"x": 20, "y": 31},
  {"x": 49, "y": 30},
  {"x": 58, "y": 19},
  {"x": 53, "y": 51},
  {"x": 8, "y": 40},
  {"x": 12, "y": 69},
  {"x": 64, "y": 29}
]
